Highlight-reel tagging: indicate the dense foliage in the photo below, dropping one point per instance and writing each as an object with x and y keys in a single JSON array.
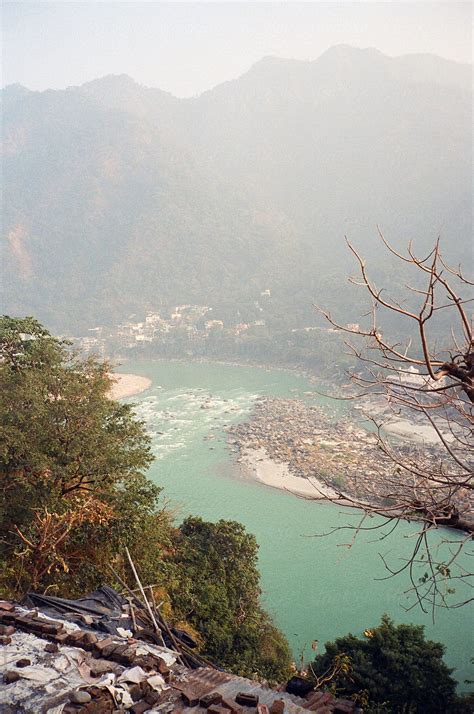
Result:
[
  {"x": 74, "y": 494},
  {"x": 218, "y": 592},
  {"x": 394, "y": 667},
  {"x": 68, "y": 454}
]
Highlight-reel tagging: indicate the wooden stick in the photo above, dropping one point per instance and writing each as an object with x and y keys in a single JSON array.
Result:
[
  {"x": 125, "y": 586},
  {"x": 137, "y": 590},
  {"x": 197, "y": 657},
  {"x": 175, "y": 642},
  {"x": 150, "y": 611},
  {"x": 132, "y": 613}
]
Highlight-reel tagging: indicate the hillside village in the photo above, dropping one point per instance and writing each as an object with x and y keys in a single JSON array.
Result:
[
  {"x": 194, "y": 321},
  {"x": 193, "y": 324}
]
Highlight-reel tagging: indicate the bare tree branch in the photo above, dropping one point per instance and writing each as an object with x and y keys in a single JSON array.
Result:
[{"x": 427, "y": 385}]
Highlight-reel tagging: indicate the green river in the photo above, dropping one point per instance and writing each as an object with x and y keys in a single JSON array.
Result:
[{"x": 315, "y": 588}]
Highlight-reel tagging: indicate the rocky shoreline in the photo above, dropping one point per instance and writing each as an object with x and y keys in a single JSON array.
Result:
[
  {"x": 256, "y": 464},
  {"x": 335, "y": 454}
]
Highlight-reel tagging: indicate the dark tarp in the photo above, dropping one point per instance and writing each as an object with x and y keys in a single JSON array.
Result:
[{"x": 102, "y": 610}]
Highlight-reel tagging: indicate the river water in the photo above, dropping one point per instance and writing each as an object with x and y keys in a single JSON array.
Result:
[{"x": 316, "y": 588}]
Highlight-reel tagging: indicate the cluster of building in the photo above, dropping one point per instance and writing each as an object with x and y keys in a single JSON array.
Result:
[
  {"x": 194, "y": 321},
  {"x": 351, "y": 327},
  {"x": 131, "y": 333},
  {"x": 413, "y": 378}
]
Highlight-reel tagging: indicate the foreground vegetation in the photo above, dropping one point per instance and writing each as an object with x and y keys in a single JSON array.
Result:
[
  {"x": 74, "y": 495},
  {"x": 392, "y": 669}
]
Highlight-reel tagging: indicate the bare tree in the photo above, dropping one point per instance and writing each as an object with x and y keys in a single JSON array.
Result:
[{"x": 430, "y": 383}]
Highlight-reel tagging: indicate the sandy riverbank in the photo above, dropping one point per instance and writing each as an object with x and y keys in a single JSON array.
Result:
[
  {"x": 258, "y": 465},
  {"x": 128, "y": 385},
  {"x": 418, "y": 433}
]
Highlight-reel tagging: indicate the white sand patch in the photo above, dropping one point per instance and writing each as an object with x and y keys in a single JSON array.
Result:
[
  {"x": 419, "y": 433},
  {"x": 128, "y": 385},
  {"x": 259, "y": 466}
]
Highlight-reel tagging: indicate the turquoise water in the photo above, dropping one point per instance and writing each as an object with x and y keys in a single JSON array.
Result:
[{"x": 315, "y": 588}]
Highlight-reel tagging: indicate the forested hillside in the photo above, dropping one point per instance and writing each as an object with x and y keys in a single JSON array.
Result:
[{"x": 119, "y": 198}]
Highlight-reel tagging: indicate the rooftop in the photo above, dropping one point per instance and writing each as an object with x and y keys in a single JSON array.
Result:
[{"x": 98, "y": 654}]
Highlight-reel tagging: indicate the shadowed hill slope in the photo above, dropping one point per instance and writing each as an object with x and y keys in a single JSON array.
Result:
[{"x": 120, "y": 198}]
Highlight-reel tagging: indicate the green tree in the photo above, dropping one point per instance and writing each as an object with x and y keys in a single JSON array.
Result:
[
  {"x": 397, "y": 668},
  {"x": 74, "y": 494},
  {"x": 71, "y": 459},
  {"x": 219, "y": 593}
]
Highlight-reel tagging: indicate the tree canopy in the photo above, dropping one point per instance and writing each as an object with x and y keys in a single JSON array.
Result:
[
  {"x": 219, "y": 593},
  {"x": 394, "y": 668},
  {"x": 68, "y": 454}
]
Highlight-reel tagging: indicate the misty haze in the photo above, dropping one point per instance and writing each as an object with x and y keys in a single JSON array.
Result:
[{"x": 237, "y": 367}]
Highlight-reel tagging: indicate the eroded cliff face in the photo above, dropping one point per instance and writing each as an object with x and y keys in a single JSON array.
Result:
[{"x": 17, "y": 242}]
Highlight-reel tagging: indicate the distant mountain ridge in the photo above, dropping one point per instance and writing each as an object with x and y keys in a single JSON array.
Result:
[{"x": 120, "y": 198}]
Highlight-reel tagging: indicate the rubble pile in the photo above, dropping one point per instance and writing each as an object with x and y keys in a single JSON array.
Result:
[{"x": 57, "y": 666}]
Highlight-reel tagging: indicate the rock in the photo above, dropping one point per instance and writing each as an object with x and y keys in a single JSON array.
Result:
[
  {"x": 277, "y": 707},
  {"x": 140, "y": 707},
  {"x": 231, "y": 705},
  {"x": 101, "y": 645},
  {"x": 6, "y": 606},
  {"x": 51, "y": 647},
  {"x": 7, "y": 630},
  {"x": 246, "y": 699},
  {"x": 61, "y": 637},
  {"x": 80, "y": 696},
  {"x": 154, "y": 698},
  {"x": 190, "y": 696},
  {"x": 25, "y": 662},
  {"x": 74, "y": 638},
  {"x": 209, "y": 699},
  {"x": 10, "y": 677},
  {"x": 102, "y": 666},
  {"x": 88, "y": 639}
]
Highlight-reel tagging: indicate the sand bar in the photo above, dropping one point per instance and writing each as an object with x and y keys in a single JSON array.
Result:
[
  {"x": 419, "y": 433},
  {"x": 128, "y": 385},
  {"x": 258, "y": 465}
]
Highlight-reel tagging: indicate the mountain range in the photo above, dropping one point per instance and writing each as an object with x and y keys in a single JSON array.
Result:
[{"x": 120, "y": 198}]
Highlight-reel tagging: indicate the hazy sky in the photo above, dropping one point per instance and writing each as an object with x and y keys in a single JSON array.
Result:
[{"x": 186, "y": 48}]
